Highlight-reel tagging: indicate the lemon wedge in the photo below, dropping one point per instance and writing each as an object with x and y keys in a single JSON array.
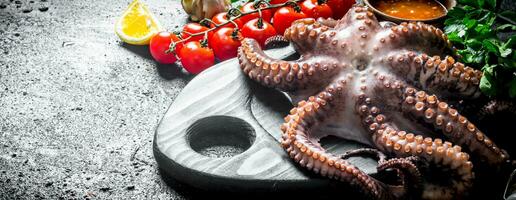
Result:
[{"x": 137, "y": 25}]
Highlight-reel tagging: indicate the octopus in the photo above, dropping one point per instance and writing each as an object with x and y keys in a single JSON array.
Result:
[{"x": 389, "y": 86}]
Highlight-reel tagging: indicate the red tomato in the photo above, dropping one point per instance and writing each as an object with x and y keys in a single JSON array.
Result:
[
  {"x": 225, "y": 45},
  {"x": 260, "y": 34},
  {"x": 266, "y": 14},
  {"x": 340, "y": 7},
  {"x": 196, "y": 58},
  {"x": 315, "y": 10},
  {"x": 272, "y": 2},
  {"x": 277, "y": 1},
  {"x": 160, "y": 43},
  {"x": 284, "y": 17},
  {"x": 223, "y": 18},
  {"x": 194, "y": 28}
]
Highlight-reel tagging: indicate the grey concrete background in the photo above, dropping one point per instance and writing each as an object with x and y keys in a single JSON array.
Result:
[{"x": 78, "y": 108}]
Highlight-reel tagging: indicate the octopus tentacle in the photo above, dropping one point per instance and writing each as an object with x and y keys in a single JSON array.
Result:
[
  {"x": 495, "y": 106},
  {"x": 308, "y": 153},
  {"x": 409, "y": 174},
  {"x": 434, "y": 151},
  {"x": 365, "y": 151},
  {"x": 390, "y": 139},
  {"x": 308, "y": 34},
  {"x": 286, "y": 75},
  {"x": 455, "y": 126},
  {"x": 329, "y": 22},
  {"x": 435, "y": 74},
  {"x": 446, "y": 74},
  {"x": 276, "y": 42},
  {"x": 407, "y": 171},
  {"x": 399, "y": 143},
  {"x": 417, "y": 36}
]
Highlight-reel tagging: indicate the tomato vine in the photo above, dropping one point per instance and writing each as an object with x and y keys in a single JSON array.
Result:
[{"x": 233, "y": 14}]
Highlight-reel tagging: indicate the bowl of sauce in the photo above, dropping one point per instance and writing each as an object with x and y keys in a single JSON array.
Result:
[{"x": 411, "y": 10}]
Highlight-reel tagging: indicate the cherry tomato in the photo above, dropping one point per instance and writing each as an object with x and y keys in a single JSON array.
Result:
[
  {"x": 194, "y": 28},
  {"x": 315, "y": 10},
  {"x": 223, "y": 18},
  {"x": 277, "y": 1},
  {"x": 340, "y": 7},
  {"x": 160, "y": 43},
  {"x": 272, "y": 2},
  {"x": 266, "y": 14},
  {"x": 284, "y": 17},
  {"x": 252, "y": 29},
  {"x": 225, "y": 45},
  {"x": 196, "y": 58}
]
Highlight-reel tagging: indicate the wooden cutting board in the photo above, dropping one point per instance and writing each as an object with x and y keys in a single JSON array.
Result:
[{"x": 222, "y": 133}]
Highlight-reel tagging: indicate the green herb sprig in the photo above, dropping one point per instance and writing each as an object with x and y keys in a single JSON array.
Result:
[{"x": 473, "y": 26}]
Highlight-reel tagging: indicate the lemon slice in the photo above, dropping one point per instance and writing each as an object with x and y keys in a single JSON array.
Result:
[{"x": 137, "y": 25}]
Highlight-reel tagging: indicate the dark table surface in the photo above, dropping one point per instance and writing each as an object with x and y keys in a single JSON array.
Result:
[{"x": 78, "y": 108}]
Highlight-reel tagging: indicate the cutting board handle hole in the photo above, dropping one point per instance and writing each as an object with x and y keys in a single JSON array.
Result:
[{"x": 220, "y": 136}]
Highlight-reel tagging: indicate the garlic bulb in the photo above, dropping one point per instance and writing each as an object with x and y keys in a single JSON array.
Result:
[{"x": 200, "y": 9}]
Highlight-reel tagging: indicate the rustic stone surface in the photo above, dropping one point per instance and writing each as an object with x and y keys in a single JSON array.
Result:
[{"x": 78, "y": 108}]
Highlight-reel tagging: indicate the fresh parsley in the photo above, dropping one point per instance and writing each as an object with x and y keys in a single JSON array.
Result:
[{"x": 474, "y": 27}]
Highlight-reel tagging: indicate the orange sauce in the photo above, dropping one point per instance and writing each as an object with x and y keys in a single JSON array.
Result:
[{"x": 411, "y": 9}]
